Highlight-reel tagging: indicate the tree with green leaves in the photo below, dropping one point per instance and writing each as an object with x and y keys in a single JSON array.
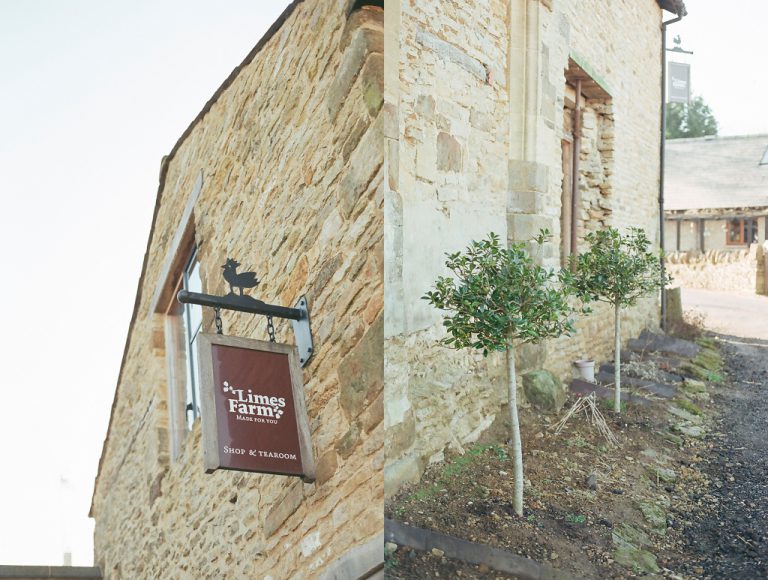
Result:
[
  {"x": 499, "y": 298},
  {"x": 618, "y": 270},
  {"x": 694, "y": 119}
]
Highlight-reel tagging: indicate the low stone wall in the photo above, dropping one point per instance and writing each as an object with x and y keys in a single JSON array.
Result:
[{"x": 726, "y": 270}]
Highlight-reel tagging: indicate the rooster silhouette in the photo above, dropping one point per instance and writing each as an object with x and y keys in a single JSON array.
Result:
[{"x": 241, "y": 280}]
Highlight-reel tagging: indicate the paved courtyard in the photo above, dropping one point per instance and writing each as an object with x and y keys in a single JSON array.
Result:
[{"x": 744, "y": 315}]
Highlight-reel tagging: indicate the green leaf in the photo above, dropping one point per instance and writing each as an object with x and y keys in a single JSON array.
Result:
[{"x": 500, "y": 295}]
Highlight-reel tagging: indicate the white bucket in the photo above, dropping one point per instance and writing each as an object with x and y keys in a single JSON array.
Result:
[{"x": 585, "y": 369}]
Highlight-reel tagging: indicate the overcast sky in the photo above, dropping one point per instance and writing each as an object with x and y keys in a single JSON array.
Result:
[
  {"x": 92, "y": 95},
  {"x": 728, "y": 67}
]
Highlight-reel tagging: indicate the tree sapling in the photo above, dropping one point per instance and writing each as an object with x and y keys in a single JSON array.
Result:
[
  {"x": 618, "y": 270},
  {"x": 498, "y": 298}
]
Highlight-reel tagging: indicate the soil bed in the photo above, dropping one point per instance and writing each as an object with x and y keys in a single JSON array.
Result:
[
  {"x": 591, "y": 510},
  {"x": 408, "y": 563}
]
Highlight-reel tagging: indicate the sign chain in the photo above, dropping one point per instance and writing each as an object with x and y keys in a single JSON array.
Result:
[
  {"x": 217, "y": 320},
  {"x": 270, "y": 329}
]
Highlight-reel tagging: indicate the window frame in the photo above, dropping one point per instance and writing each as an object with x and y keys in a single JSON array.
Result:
[
  {"x": 168, "y": 319},
  {"x": 743, "y": 224},
  {"x": 581, "y": 92}
]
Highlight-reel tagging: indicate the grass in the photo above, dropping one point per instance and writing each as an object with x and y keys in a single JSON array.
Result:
[
  {"x": 707, "y": 342},
  {"x": 501, "y": 453},
  {"x": 576, "y": 519},
  {"x": 686, "y": 405},
  {"x": 607, "y": 404},
  {"x": 390, "y": 561},
  {"x": 578, "y": 441},
  {"x": 423, "y": 493},
  {"x": 450, "y": 471},
  {"x": 462, "y": 462}
]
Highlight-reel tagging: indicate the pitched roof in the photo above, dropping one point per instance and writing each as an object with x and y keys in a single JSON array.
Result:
[{"x": 716, "y": 173}]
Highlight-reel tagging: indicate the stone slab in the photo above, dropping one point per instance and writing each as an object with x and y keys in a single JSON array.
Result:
[
  {"x": 667, "y": 377},
  {"x": 651, "y": 387},
  {"x": 649, "y": 341},
  {"x": 582, "y": 387}
]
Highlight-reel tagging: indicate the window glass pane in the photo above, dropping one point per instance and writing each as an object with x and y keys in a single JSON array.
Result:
[
  {"x": 194, "y": 318},
  {"x": 195, "y": 365},
  {"x": 752, "y": 235},
  {"x": 734, "y": 231},
  {"x": 189, "y": 395},
  {"x": 193, "y": 321},
  {"x": 194, "y": 284}
]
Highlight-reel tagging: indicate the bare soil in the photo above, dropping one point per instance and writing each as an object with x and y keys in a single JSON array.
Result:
[
  {"x": 408, "y": 563},
  {"x": 580, "y": 493}
]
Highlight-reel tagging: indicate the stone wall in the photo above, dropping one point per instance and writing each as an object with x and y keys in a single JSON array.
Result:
[
  {"x": 596, "y": 167},
  {"x": 474, "y": 100},
  {"x": 291, "y": 158},
  {"x": 725, "y": 270}
]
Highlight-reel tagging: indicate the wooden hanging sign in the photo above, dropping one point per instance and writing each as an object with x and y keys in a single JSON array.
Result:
[{"x": 254, "y": 416}]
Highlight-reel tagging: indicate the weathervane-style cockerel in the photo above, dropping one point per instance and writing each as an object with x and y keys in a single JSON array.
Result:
[{"x": 241, "y": 280}]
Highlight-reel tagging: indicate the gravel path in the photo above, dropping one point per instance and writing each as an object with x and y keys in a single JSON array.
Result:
[{"x": 732, "y": 542}]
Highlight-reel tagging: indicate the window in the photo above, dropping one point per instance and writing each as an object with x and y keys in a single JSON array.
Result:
[
  {"x": 177, "y": 326},
  {"x": 587, "y": 149},
  {"x": 741, "y": 231},
  {"x": 182, "y": 324},
  {"x": 192, "y": 319}
]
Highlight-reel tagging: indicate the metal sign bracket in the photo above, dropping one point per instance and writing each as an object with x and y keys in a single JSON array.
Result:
[{"x": 298, "y": 315}]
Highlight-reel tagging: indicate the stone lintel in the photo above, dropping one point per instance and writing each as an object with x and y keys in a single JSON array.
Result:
[{"x": 449, "y": 52}]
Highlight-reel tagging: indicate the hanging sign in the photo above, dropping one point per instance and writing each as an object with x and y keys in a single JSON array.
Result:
[
  {"x": 679, "y": 85},
  {"x": 253, "y": 412}
]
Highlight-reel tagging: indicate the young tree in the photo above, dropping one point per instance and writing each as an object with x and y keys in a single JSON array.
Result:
[
  {"x": 694, "y": 119},
  {"x": 499, "y": 298},
  {"x": 618, "y": 270}
]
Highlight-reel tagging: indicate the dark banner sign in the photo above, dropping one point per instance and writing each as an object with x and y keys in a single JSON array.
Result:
[
  {"x": 679, "y": 86},
  {"x": 253, "y": 412}
]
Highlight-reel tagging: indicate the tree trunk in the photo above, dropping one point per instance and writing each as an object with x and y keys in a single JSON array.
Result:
[
  {"x": 517, "y": 448},
  {"x": 617, "y": 361}
]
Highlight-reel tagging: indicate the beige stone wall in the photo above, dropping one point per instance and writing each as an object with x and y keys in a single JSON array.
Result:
[
  {"x": 475, "y": 93},
  {"x": 689, "y": 235},
  {"x": 447, "y": 139},
  {"x": 292, "y": 163},
  {"x": 726, "y": 270}
]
